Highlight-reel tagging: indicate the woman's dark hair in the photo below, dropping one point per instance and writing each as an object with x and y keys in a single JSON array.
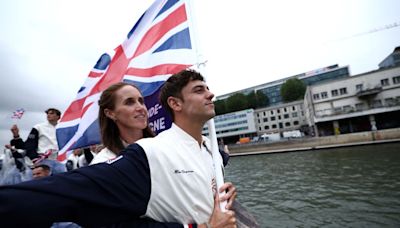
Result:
[{"x": 109, "y": 131}]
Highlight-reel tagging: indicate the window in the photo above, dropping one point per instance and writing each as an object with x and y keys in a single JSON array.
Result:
[
  {"x": 286, "y": 116},
  {"x": 347, "y": 108},
  {"x": 273, "y": 126},
  {"x": 324, "y": 95},
  {"x": 264, "y": 113},
  {"x": 359, "y": 87},
  {"x": 285, "y": 109},
  {"x": 265, "y": 119},
  {"x": 279, "y": 117},
  {"x": 396, "y": 80},
  {"x": 259, "y": 121},
  {"x": 390, "y": 101},
  {"x": 287, "y": 124},
  {"x": 360, "y": 106},
  {"x": 296, "y": 122},
  {"x": 334, "y": 93},
  {"x": 259, "y": 128},
  {"x": 278, "y": 111},
  {"x": 266, "y": 127},
  {"x": 316, "y": 96},
  {"x": 273, "y": 118},
  {"x": 343, "y": 91},
  {"x": 294, "y": 114},
  {"x": 258, "y": 114},
  {"x": 272, "y": 112},
  {"x": 280, "y": 125},
  {"x": 377, "y": 103},
  {"x": 385, "y": 82},
  {"x": 294, "y": 108}
]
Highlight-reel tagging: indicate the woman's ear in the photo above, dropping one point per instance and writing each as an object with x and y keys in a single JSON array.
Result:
[{"x": 110, "y": 114}]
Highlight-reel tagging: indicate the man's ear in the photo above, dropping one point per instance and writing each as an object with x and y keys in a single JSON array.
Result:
[
  {"x": 109, "y": 114},
  {"x": 174, "y": 103}
]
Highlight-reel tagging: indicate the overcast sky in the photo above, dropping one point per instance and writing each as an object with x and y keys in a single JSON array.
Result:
[{"x": 47, "y": 47}]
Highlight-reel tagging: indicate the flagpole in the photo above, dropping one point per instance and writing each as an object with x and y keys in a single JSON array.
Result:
[{"x": 201, "y": 66}]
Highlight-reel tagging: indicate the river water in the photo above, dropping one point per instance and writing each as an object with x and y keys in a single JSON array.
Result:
[{"x": 343, "y": 187}]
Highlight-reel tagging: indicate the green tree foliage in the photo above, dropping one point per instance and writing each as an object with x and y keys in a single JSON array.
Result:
[
  {"x": 236, "y": 102},
  {"x": 252, "y": 100},
  {"x": 220, "y": 107},
  {"x": 257, "y": 99},
  {"x": 262, "y": 99},
  {"x": 292, "y": 90}
]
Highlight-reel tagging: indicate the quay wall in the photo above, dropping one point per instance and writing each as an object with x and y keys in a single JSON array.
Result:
[{"x": 310, "y": 143}]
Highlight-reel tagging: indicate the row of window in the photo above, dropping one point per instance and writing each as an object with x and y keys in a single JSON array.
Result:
[
  {"x": 272, "y": 112},
  {"x": 334, "y": 93},
  {"x": 280, "y": 125},
  {"x": 220, "y": 119},
  {"x": 231, "y": 124},
  {"x": 273, "y": 118},
  {"x": 233, "y": 130},
  {"x": 359, "y": 87},
  {"x": 377, "y": 103},
  {"x": 395, "y": 80}
]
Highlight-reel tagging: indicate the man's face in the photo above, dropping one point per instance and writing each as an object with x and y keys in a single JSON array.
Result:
[
  {"x": 52, "y": 116},
  {"x": 39, "y": 172},
  {"x": 197, "y": 101}
]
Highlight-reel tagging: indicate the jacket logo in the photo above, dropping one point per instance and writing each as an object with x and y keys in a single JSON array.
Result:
[{"x": 183, "y": 171}]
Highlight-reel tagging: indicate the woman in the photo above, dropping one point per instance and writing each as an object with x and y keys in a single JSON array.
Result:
[{"x": 123, "y": 120}]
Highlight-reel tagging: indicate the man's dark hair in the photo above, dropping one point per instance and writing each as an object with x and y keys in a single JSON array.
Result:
[
  {"x": 43, "y": 166},
  {"x": 174, "y": 85},
  {"x": 56, "y": 111}
]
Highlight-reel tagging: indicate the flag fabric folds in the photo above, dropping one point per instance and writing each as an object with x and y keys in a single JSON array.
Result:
[
  {"x": 158, "y": 46},
  {"x": 17, "y": 114}
]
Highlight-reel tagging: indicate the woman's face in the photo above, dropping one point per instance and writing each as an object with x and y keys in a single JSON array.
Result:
[{"x": 130, "y": 112}]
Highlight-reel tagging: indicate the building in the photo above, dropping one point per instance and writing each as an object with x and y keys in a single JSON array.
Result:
[
  {"x": 363, "y": 102},
  {"x": 273, "y": 89},
  {"x": 392, "y": 60},
  {"x": 232, "y": 126},
  {"x": 280, "y": 118}
]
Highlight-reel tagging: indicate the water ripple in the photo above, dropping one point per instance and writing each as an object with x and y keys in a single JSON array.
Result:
[{"x": 345, "y": 187}]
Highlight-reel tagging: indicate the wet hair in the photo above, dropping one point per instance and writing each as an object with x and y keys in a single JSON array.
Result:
[
  {"x": 56, "y": 111},
  {"x": 174, "y": 85},
  {"x": 110, "y": 135}
]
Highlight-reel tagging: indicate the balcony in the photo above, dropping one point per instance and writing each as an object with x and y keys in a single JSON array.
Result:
[
  {"x": 355, "y": 109},
  {"x": 369, "y": 92}
]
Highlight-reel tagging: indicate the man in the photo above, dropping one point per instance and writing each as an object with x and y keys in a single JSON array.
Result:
[
  {"x": 42, "y": 138},
  {"x": 167, "y": 178},
  {"x": 17, "y": 148},
  {"x": 40, "y": 171}
]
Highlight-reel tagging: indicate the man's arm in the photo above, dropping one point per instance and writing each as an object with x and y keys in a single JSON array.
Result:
[{"x": 97, "y": 195}]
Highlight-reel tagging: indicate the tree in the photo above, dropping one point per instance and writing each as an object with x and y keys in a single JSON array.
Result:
[
  {"x": 262, "y": 99},
  {"x": 236, "y": 102},
  {"x": 252, "y": 100},
  {"x": 292, "y": 90},
  {"x": 220, "y": 107},
  {"x": 257, "y": 99}
]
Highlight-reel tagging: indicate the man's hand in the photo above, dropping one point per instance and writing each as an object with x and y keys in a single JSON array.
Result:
[
  {"x": 229, "y": 196},
  {"x": 221, "y": 219}
]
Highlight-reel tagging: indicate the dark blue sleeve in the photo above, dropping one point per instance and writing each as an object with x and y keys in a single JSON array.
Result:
[
  {"x": 225, "y": 157},
  {"x": 102, "y": 194},
  {"x": 31, "y": 144}
]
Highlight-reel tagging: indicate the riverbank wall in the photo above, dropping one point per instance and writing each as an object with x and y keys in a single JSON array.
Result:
[{"x": 314, "y": 143}]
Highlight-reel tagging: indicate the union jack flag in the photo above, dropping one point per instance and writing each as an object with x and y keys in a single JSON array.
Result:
[
  {"x": 157, "y": 46},
  {"x": 17, "y": 114}
]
